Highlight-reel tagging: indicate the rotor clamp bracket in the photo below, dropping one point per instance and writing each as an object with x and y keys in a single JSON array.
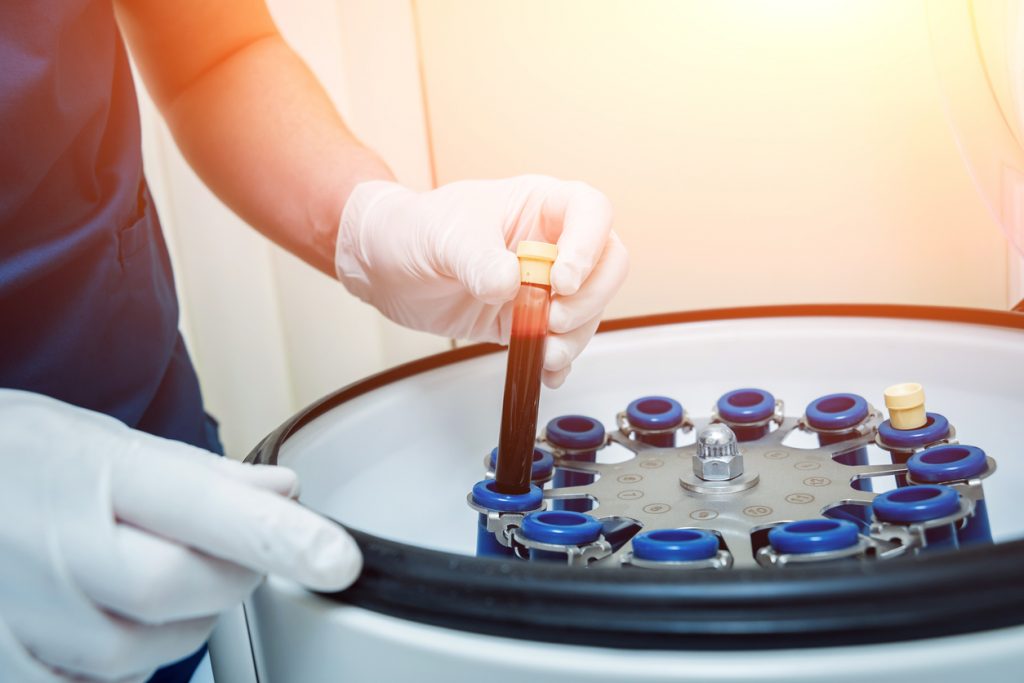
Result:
[
  {"x": 863, "y": 428},
  {"x": 767, "y": 556},
  {"x": 722, "y": 560},
  {"x": 502, "y": 524},
  {"x": 576, "y": 555},
  {"x": 629, "y": 430},
  {"x": 778, "y": 416},
  {"x": 913, "y": 537}
]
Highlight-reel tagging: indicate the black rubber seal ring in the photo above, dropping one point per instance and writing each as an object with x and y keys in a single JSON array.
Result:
[{"x": 941, "y": 594}]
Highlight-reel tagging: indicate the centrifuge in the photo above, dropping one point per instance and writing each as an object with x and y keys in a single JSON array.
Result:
[{"x": 723, "y": 495}]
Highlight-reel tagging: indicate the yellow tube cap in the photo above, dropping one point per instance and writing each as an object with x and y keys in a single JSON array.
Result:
[
  {"x": 535, "y": 259},
  {"x": 906, "y": 405}
]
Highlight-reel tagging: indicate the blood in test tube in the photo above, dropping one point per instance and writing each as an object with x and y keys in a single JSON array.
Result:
[{"x": 523, "y": 372}]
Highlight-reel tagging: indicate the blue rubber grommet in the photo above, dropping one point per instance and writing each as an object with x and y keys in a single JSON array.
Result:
[
  {"x": 935, "y": 429},
  {"x": 655, "y": 412},
  {"x": 916, "y": 504},
  {"x": 485, "y": 495},
  {"x": 746, "y": 405},
  {"x": 950, "y": 462},
  {"x": 575, "y": 431},
  {"x": 543, "y": 463},
  {"x": 675, "y": 545},
  {"x": 561, "y": 527},
  {"x": 813, "y": 536},
  {"x": 837, "y": 411}
]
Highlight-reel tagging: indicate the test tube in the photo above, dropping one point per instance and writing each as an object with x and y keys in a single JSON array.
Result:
[
  {"x": 909, "y": 426},
  {"x": 656, "y": 418},
  {"x": 809, "y": 536},
  {"x": 914, "y": 504},
  {"x": 558, "y": 527},
  {"x": 747, "y": 412},
  {"x": 523, "y": 371},
  {"x": 583, "y": 435},
  {"x": 486, "y": 496},
  {"x": 952, "y": 463},
  {"x": 834, "y": 418},
  {"x": 675, "y": 546}
]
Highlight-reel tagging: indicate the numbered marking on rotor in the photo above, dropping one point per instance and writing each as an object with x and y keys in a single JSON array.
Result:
[
  {"x": 757, "y": 511},
  {"x": 652, "y": 464},
  {"x": 629, "y": 478},
  {"x": 703, "y": 514},
  {"x": 807, "y": 465},
  {"x": 657, "y": 508},
  {"x": 799, "y": 498},
  {"x": 630, "y": 494},
  {"x": 776, "y": 455},
  {"x": 817, "y": 481}
]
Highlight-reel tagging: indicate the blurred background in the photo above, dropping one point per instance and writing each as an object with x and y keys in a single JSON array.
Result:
[{"x": 755, "y": 152}]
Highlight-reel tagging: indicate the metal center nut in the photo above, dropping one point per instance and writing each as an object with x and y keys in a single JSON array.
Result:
[{"x": 717, "y": 457}]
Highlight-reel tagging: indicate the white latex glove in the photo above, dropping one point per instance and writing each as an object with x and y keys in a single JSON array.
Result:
[
  {"x": 118, "y": 549},
  {"x": 443, "y": 262}
]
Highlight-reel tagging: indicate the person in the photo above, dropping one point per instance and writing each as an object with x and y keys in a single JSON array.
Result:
[{"x": 122, "y": 535}]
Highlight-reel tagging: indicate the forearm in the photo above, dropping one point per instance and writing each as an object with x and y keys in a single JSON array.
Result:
[{"x": 262, "y": 134}]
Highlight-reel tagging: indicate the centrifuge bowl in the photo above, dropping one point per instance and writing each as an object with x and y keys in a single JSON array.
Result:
[{"x": 393, "y": 456}]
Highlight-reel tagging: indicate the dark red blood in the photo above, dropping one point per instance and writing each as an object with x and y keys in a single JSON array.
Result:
[{"x": 522, "y": 389}]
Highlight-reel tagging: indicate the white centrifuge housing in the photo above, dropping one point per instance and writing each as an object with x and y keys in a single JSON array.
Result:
[{"x": 393, "y": 457}]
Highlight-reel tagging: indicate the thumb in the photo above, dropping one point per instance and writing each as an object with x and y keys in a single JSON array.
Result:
[{"x": 491, "y": 274}]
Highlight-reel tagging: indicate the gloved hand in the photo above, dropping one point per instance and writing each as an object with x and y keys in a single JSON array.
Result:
[
  {"x": 440, "y": 261},
  {"x": 118, "y": 549}
]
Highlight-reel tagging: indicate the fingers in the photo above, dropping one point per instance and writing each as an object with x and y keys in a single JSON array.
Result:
[
  {"x": 472, "y": 248},
  {"x": 492, "y": 276},
  {"x": 116, "y": 649},
  {"x": 562, "y": 349},
  {"x": 555, "y": 379},
  {"x": 174, "y": 498},
  {"x": 569, "y": 312},
  {"x": 579, "y": 217},
  {"x": 281, "y": 480},
  {"x": 17, "y": 663},
  {"x": 151, "y": 580}
]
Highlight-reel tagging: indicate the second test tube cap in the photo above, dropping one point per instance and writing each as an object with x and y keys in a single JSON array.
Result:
[{"x": 906, "y": 405}]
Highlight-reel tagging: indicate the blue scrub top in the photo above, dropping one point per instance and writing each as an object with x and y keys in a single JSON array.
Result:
[{"x": 87, "y": 302}]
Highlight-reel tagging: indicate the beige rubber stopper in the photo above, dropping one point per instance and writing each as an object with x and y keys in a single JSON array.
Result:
[
  {"x": 906, "y": 405},
  {"x": 535, "y": 259}
]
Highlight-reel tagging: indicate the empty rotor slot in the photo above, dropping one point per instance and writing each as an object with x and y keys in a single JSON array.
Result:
[
  {"x": 594, "y": 502},
  {"x": 686, "y": 437},
  {"x": 614, "y": 453},
  {"x": 722, "y": 545},
  {"x": 879, "y": 456},
  {"x": 852, "y": 511},
  {"x": 577, "y": 468},
  {"x": 801, "y": 439},
  {"x": 619, "y": 530},
  {"x": 759, "y": 536}
]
